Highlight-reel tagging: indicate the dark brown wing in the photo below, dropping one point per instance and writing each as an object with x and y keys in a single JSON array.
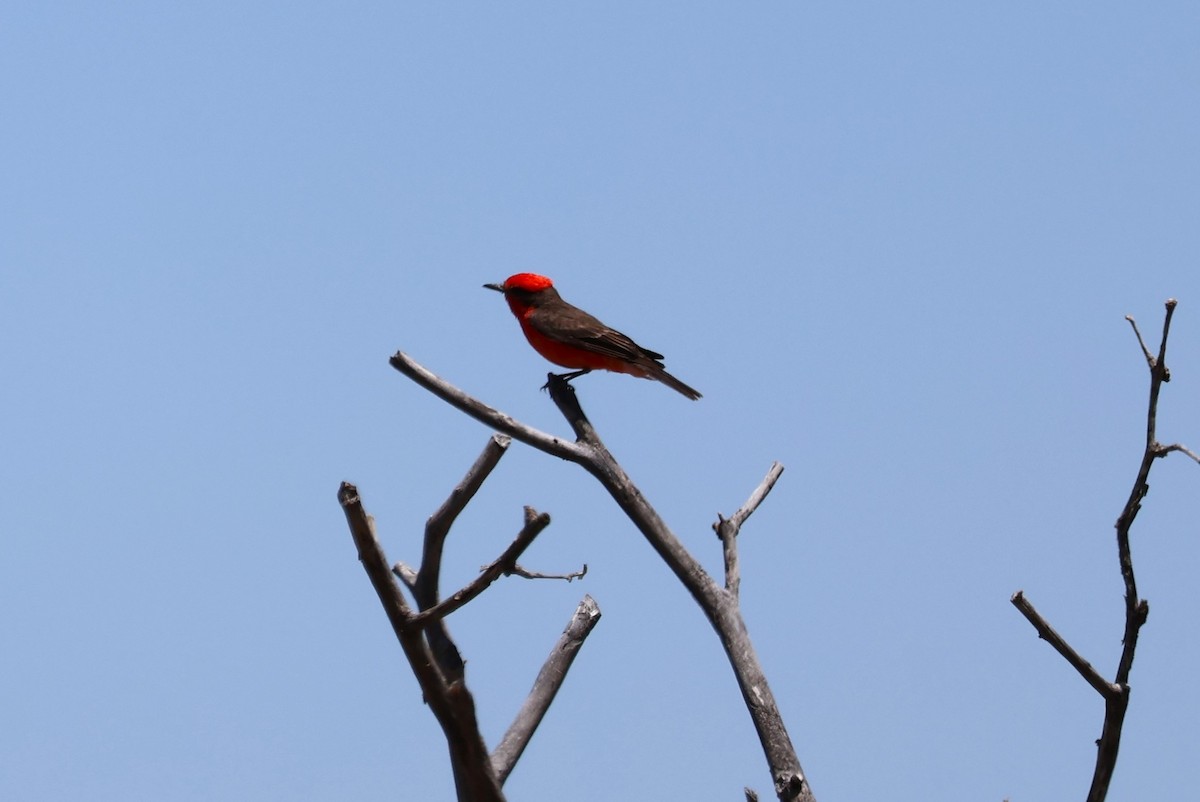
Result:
[{"x": 568, "y": 324}]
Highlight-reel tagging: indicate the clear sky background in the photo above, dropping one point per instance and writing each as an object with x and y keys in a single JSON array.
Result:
[{"x": 893, "y": 245}]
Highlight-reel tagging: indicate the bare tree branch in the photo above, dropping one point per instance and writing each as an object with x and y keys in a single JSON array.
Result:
[
  {"x": 502, "y": 564},
  {"x": 1145, "y": 351},
  {"x": 720, "y": 606},
  {"x": 450, "y": 701},
  {"x": 545, "y": 687},
  {"x": 482, "y": 412},
  {"x": 757, "y": 497},
  {"x": 1048, "y": 634},
  {"x": 1165, "y": 450},
  {"x": 431, "y": 653},
  {"x": 525, "y": 573},
  {"x": 438, "y": 525},
  {"x": 1137, "y": 609},
  {"x": 475, "y": 779},
  {"x": 437, "y": 528},
  {"x": 727, "y": 529}
]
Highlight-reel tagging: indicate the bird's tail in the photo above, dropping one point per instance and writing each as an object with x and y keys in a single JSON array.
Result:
[{"x": 674, "y": 383}]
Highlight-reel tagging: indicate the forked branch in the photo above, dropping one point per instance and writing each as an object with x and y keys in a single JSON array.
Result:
[
  {"x": 719, "y": 605},
  {"x": 727, "y": 529},
  {"x": 1116, "y": 693},
  {"x": 534, "y": 524},
  {"x": 433, "y": 656},
  {"x": 449, "y": 699}
]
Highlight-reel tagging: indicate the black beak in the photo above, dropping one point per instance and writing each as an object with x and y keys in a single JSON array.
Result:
[{"x": 496, "y": 287}]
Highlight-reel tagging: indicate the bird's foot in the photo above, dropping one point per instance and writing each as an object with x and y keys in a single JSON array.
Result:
[{"x": 564, "y": 378}]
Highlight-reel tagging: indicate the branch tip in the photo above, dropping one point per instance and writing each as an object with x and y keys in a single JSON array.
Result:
[
  {"x": 1138, "y": 333},
  {"x": 545, "y": 687}
]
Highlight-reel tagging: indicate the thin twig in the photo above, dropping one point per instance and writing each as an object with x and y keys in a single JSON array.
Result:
[
  {"x": 490, "y": 574},
  {"x": 1181, "y": 448},
  {"x": 758, "y": 496},
  {"x": 545, "y": 687},
  {"x": 525, "y": 573},
  {"x": 1145, "y": 351}
]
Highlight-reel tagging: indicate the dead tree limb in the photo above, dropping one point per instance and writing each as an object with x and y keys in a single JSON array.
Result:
[
  {"x": 425, "y": 584},
  {"x": 1116, "y": 693},
  {"x": 545, "y": 687},
  {"x": 719, "y": 605},
  {"x": 449, "y": 699},
  {"x": 433, "y": 656},
  {"x": 534, "y": 524},
  {"x": 727, "y": 529}
]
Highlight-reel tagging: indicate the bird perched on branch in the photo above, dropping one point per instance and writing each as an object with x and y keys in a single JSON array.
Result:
[{"x": 570, "y": 337}]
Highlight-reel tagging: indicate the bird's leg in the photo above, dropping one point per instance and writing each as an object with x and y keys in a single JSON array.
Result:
[
  {"x": 565, "y": 378},
  {"x": 574, "y": 375}
]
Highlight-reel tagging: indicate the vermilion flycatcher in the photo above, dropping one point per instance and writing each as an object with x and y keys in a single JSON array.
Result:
[{"x": 572, "y": 338}]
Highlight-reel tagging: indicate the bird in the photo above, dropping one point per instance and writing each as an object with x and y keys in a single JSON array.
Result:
[{"x": 571, "y": 338}]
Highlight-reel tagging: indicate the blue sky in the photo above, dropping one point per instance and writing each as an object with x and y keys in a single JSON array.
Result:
[{"x": 893, "y": 245}]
